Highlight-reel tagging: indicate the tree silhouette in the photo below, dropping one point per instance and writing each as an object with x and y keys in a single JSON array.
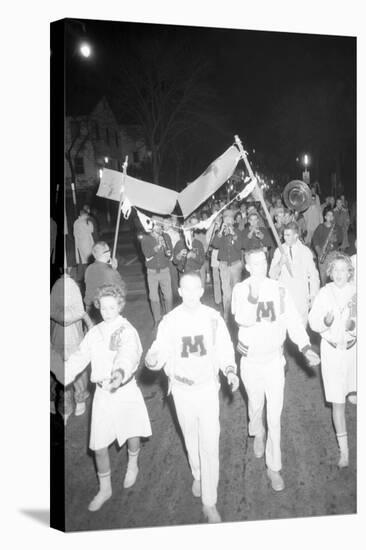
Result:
[{"x": 162, "y": 87}]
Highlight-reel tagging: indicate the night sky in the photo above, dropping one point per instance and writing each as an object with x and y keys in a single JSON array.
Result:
[{"x": 284, "y": 94}]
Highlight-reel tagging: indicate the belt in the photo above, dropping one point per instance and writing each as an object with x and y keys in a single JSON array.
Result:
[
  {"x": 349, "y": 345},
  {"x": 184, "y": 380},
  {"x": 229, "y": 264},
  {"x": 100, "y": 384},
  {"x": 158, "y": 269}
]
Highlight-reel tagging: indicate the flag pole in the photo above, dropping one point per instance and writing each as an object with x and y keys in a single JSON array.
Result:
[
  {"x": 119, "y": 208},
  {"x": 263, "y": 203}
]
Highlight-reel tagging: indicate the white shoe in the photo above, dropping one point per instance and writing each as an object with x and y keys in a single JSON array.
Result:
[
  {"x": 52, "y": 407},
  {"x": 80, "y": 409},
  {"x": 343, "y": 460},
  {"x": 276, "y": 480},
  {"x": 352, "y": 399},
  {"x": 196, "y": 488},
  {"x": 258, "y": 445},
  {"x": 211, "y": 514},
  {"x": 99, "y": 499},
  {"x": 130, "y": 477}
]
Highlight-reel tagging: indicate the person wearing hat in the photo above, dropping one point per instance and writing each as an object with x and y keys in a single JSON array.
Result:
[
  {"x": 157, "y": 249},
  {"x": 228, "y": 241}
]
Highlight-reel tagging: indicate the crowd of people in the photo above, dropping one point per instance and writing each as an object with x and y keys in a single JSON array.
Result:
[{"x": 267, "y": 292}]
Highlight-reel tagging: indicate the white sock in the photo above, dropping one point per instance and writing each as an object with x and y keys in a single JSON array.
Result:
[
  {"x": 132, "y": 458},
  {"x": 343, "y": 447},
  {"x": 132, "y": 469}
]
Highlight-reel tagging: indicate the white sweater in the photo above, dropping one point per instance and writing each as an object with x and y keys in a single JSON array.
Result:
[
  {"x": 108, "y": 346},
  {"x": 193, "y": 346},
  {"x": 342, "y": 303},
  {"x": 263, "y": 323}
]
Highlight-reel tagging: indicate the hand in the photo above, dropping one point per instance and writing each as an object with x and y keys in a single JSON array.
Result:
[
  {"x": 329, "y": 318},
  {"x": 312, "y": 357},
  {"x": 233, "y": 381},
  {"x": 191, "y": 254},
  {"x": 182, "y": 254},
  {"x": 156, "y": 248},
  {"x": 114, "y": 263},
  {"x": 350, "y": 324},
  {"x": 254, "y": 289},
  {"x": 116, "y": 379},
  {"x": 152, "y": 356}
]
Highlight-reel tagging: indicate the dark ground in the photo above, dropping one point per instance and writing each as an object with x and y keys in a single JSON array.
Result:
[{"x": 162, "y": 494}]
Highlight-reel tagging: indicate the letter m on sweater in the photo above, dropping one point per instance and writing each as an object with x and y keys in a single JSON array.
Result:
[
  {"x": 265, "y": 312},
  {"x": 195, "y": 347}
]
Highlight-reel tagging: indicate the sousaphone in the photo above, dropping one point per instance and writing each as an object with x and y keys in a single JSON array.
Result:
[{"x": 297, "y": 196}]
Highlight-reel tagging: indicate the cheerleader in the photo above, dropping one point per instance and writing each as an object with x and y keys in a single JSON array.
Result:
[
  {"x": 333, "y": 315},
  {"x": 113, "y": 347}
]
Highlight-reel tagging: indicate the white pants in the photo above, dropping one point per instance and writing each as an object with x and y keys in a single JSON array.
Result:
[
  {"x": 198, "y": 415},
  {"x": 265, "y": 381}
]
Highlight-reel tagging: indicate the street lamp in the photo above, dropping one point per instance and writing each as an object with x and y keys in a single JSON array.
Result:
[
  {"x": 306, "y": 173},
  {"x": 85, "y": 49}
]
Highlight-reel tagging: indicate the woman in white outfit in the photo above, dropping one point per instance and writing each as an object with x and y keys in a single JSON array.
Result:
[
  {"x": 333, "y": 315},
  {"x": 113, "y": 347}
]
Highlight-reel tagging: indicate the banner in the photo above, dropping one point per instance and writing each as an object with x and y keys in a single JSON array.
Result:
[
  {"x": 141, "y": 194},
  {"x": 213, "y": 177}
]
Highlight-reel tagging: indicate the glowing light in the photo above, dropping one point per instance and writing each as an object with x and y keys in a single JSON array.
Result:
[
  {"x": 106, "y": 160},
  {"x": 306, "y": 160},
  {"x": 100, "y": 172},
  {"x": 85, "y": 49}
]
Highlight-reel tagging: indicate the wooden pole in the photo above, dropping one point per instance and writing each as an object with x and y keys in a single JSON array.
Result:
[
  {"x": 119, "y": 208},
  {"x": 263, "y": 203}
]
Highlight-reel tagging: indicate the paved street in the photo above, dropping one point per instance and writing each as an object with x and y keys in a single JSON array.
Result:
[{"x": 162, "y": 494}]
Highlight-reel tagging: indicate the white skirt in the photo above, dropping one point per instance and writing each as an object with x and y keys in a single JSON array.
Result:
[
  {"x": 338, "y": 371},
  {"x": 119, "y": 415}
]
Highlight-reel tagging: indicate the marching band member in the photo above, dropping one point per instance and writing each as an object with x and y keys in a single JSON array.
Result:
[
  {"x": 157, "y": 249},
  {"x": 342, "y": 219},
  {"x": 228, "y": 241},
  {"x": 313, "y": 217},
  {"x": 304, "y": 284},
  {"x": 192, "y": 345},
  {"x": 214, "y": 262},
  {"x": 189, "y": 260},
  {"x": 264, "y": 310},
  {"x": 171, "y": 226},
  {"x": 326, "y": 240},
  {"x": 255, "y": 236},
  {"x": 333, "y": 315}
]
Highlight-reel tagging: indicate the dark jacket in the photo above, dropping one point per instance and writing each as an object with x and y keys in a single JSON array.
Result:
[{"x": 156, "y": 259}]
